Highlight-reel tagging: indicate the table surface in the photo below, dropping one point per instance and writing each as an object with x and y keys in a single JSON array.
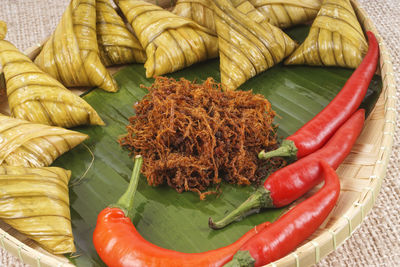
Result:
[{"x": 377, "y": 241}]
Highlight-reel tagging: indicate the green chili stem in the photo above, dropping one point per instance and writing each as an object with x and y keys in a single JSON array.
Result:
[
  {"x": 241, "y": 259},
  {"x": 287, "y": 149},
  {"x": 259, "y": 199},
  {"x": 126, "y": 200}
]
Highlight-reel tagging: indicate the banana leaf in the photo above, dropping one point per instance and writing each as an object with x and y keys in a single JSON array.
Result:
[{"x": 164, "y": 217}]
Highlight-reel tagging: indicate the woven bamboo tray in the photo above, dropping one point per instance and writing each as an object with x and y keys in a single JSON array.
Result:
[{"x": 361, "y": 176}]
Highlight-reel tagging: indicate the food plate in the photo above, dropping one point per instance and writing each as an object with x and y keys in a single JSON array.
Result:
[{"x": 361, "y": 173}]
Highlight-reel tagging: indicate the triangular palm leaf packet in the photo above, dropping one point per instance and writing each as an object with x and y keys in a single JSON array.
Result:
[
  {"x": 246, "y": 47},
  {"x": 171, "y": 42},
  {"x": 71, "y": 55},
  {"x": 23, "y": 143},
  {"x": 252, "y": 13},
  {"x": 35, "y": 202},
  {"x": 117, "y": 45},
  {"x": 199, "y": 11},
  {"x": 287, "y": 13},
  {"x": 335, "y": 38},
  {"x": 37, "y": 97}
]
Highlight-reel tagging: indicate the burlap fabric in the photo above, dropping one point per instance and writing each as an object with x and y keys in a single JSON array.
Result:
[{"x": 377, "y": 241}]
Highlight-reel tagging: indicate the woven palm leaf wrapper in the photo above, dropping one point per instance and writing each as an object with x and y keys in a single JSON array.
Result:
[
  {"x": 245, "y": 7},
  {"x": 199, "y": 11},
  {"x": 35, "y": 202},
  {"x": 280, "y": 13},
  {"x": 288, "y": 13},
  {"x": 71, "y": 55},
  {"x": 34, "y": 145},
  {"x": 247, "y": 47},
  {"x": 3, "y": 29},
  {"x": 171, "y": 42},
  {"x": 335, "y": 38},
  {"x": 35, "y": 96},
  {"x": 117, "y": 45}
]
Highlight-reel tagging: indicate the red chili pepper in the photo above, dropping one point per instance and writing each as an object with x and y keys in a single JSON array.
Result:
[
  {"x": 291, "y": 182},
  {"x": 286, "y": 233},
  {"x": 119, "y": 244},
  {"x": 315, "y": 133}
]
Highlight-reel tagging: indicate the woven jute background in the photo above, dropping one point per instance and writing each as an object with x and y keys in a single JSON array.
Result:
[{"x": 377, "y": 241}]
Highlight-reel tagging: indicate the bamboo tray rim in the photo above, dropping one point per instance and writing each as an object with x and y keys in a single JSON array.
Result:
[{"x": 328, "y": 239}]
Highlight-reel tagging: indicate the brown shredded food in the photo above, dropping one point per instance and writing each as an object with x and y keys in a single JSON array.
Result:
[{"x": 192, "y": 136}]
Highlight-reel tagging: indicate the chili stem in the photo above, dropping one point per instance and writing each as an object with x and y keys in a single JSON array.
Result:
[
  {"x": 287, "y": 149},
  {"x": 241, "y": 258},
  {"x": 259, "y": 199},
  {"x": 126, "y": 200}
]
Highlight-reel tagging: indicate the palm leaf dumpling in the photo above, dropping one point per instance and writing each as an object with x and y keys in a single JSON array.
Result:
[
  {"x": 37, "y": 97},
  {"x": 199, "y": 11},
  {"x": 292, "y": 11},
  {"x": 3, "y": 29},
  {"x": 247, "y": 46},
  {"x": 245, "y": 7},
  {"x": 171, "y": 42},
  {"x": 335, "y": 38},
  {"x": 71, "y": 55},
  {"x": 287, "y": 13},
  {"x": 117, "y": 45},
  {"x": 23, "y": 143},
  {"x": 35, "y": 202}
]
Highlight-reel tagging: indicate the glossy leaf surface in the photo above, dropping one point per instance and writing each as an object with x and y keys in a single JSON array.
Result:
[{"x": 164, "y": 217}]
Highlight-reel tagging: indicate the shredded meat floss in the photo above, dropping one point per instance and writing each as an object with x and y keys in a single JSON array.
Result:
[{"x": 193, "y": 136}]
